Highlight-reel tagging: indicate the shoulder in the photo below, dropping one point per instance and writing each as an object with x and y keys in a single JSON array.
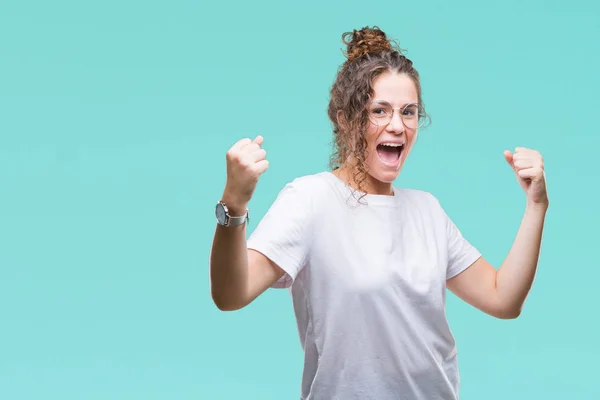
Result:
[
  {"x": 309, "y": 187},
  {"x": 312, "y": 181},
  {"x": 295, "y": 207}
]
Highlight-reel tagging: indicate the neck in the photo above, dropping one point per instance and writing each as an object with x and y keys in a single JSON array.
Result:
[{"x": 369, "y": 186}]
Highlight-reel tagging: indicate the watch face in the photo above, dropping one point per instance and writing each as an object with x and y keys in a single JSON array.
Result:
[{"x": 220, "y": 212}]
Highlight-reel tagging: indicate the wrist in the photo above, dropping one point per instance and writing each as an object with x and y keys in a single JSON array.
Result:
[
  {"x": 235, "y": 206},
  {"x": 537, "y": 207}
]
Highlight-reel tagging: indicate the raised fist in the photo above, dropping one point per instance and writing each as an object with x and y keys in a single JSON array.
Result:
[
  {"x": 528, "y": 165},
  {"x": 246, "y": 161}
]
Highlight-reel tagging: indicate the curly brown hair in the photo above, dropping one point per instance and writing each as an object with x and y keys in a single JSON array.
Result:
[{"x": 369, "y": 54}]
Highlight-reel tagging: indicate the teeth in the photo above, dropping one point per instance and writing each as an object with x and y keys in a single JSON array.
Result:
[{"x": 392, "y": 144}]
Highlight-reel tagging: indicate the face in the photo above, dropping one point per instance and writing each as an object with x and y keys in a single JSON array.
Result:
[{"x": 389, "y": 144}]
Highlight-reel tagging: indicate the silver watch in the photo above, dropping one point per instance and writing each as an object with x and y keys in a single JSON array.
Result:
[{"x": 223, "y": 217}]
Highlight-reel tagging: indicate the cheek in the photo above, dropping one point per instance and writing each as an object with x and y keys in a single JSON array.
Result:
[
  {"x": 411, "y": 138},
  {"x": 371, "y": 136}
]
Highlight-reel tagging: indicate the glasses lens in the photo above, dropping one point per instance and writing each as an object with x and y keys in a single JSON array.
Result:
[
  {"x": 411, "y": 116},
  {"x": 380, "y": 114}
]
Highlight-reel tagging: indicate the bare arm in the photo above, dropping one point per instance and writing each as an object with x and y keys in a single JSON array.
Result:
[
  {"x": 502, "y": 293},
  {"x": 238, "y": 275}
]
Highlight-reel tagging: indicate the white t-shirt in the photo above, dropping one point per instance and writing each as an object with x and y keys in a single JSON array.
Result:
[{"x": 368, "y": 284}]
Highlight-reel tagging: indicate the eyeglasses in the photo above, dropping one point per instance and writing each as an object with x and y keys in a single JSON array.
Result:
[{"x": 381, "y": 113}]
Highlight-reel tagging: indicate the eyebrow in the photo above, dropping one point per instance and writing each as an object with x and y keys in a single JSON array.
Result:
[{"x": 383, "y": 102}]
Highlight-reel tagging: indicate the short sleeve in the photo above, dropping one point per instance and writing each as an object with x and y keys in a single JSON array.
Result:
[
  {"x": 461, "y": 253},
  {"x": 283, "y": 234}
]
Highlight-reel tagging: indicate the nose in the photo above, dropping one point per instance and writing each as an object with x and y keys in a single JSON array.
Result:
[{"x": 396, "y": 125}]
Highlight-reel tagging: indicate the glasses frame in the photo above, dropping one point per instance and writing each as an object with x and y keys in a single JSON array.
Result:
[{"x": 421, "y": 115}]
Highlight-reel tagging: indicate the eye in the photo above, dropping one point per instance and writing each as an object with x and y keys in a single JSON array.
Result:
[
  {"x": 380, "y": 112},
  {"x": 410, "y": 111}
]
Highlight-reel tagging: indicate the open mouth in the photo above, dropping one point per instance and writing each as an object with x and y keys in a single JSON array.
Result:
[{"x": 390, "y": 153}]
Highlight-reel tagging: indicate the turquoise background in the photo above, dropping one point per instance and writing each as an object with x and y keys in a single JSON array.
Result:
[{"x": 115, "y": 119}]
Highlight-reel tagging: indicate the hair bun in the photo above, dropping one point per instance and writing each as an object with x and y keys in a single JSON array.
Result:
[{"x": 365, "y": 41}]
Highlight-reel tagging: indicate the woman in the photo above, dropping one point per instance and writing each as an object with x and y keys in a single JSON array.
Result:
[{"x": 368, "y": 263}]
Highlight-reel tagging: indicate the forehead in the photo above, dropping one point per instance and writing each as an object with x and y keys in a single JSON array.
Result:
[{"x": 394, "y": 88}]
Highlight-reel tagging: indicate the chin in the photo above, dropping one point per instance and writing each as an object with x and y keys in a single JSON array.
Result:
[
  {"x": 389, "y": 177},
  {"x": 384, "y": 176}
]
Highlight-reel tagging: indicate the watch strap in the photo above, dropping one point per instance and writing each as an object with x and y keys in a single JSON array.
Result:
[{"x": 233, "y": 220}]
